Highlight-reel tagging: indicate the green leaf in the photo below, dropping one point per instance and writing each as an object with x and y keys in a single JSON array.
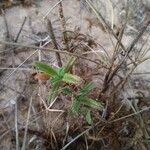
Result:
[
  {"x": 55, "y": 79},
  {"x": 68, "y": 91},
  {"x": 88, "y": 117},
  {"x": 61, "y": 72},
  {"x": 54, "y": 91},
  {"x": 45, "y": 68},
  {"x": 59, "y": 77},
  {"x": 75, "y": 106},
  {"x": 91, "y": 103},
  {"x": 86, "y": 88},
  {"x": 72, "y": 79}
]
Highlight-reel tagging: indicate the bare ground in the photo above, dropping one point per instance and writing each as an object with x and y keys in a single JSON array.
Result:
[{"x": 26, "y": 122}]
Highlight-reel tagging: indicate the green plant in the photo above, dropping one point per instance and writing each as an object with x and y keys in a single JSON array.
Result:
[
  {"x": 81, "y": 103},
  {"x": 58, "y": 76}
]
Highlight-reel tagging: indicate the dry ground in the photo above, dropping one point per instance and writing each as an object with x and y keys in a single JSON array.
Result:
[{"x": 116, "y": 59}]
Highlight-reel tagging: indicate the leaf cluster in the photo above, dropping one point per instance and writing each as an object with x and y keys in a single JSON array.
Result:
[{"x": 81, "y": 103}]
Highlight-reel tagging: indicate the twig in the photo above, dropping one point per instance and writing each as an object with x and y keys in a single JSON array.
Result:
[
  {"x": 52, "y": 50},
  {"x": 112, "y": 14},
  {"x": 4, "y": 134},
  {"x": 138, "y": 37},
  {"x": 21, "y": 69},
  {"x": 6, "y": 25},
  {"x": 100, "y": 17},
  {"x": 124, "y": 117},
  {"x": 7, "y": 78},
  {"x": 16, "y": 125},
  {"x": 135, "y": 108},
  {"x": 52, "y": 9},
  {"x": 76, "y": 138},
  {"x": 26, "y": 127},
  {"x": 47, "y": 107},
  {"x": 130, "y": 115},
  {"x": 110, "y": 77},
  {"x": 52, "y": 35},
  {"x": 66, "y": 135},
  {"x": 61, "y": 14},
  {"x": 28, "y": 46},
  {"x": 17, "y": 37}
]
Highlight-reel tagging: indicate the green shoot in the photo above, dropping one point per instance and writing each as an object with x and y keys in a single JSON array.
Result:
[
  {"x": 82, "y": 104},
  {"x": 58, "y": 76}
]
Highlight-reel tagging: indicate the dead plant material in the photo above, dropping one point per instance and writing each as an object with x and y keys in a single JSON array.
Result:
[
  {"x": 52, "y": 35},
  {"x": 63, "y": 22},
  {"x": 117, "y": 126},
  {"x": 41, "y": 76}
]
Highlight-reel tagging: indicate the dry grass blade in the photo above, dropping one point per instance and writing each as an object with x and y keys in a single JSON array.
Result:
[
  {"x": 48, "y": 12},
  {"x": 63, "y": 22},
  {"x": 52, "y": 35},
  {"x": 115, "y": 120},
  {"x": 105, "y": 46},
  {"x": 17, "y": 37},
  {"x": 130, "y": 115},
  {"x": 51, "y": 50},
  {"x": 26, "y": 126},
  {"x": 76, "y": 138},
  {"x": 16, "y": 126},
  {"x": 7, "y": 78},
  {"x": 101, "y": 18},
  {"x": 6, "y": 25},
  {"x": 138, "y": 37}
]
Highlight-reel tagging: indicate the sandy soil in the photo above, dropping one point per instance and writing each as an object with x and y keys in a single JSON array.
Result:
[{"x": 18, "y": 87}]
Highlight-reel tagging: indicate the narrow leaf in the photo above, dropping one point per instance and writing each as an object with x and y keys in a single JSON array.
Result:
[
  {"x": 54, "y": 91},
  {"x": 75, "y": 106},
  {"x": 67, "y": 91},
  {"x": 91, "y": 103},
  {"x": 86, "y": 88},
  {"x": 55, "y": 79},
  {"x": 45, "y": 68},
  {"x": 61, "y": 72},
  {"x": 72, "y": 79},
  {"x": 88, "y": 117}
]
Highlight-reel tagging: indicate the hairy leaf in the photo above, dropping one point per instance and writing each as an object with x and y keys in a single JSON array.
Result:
[
  {"x": 55, "y": 79},
  {"x": 91, "y": 103},
  {"x": 68, "y": 91},
  {"x": 61, "y": 72},
  {"x": 75, "y": 106},
  {"x": 45, "y": 68},
  {"x": 88, "y": 117},
  {"x": 54, "y": 91},
  {"x": 72, "y": 79},
  {"x": 86, "y": 88}
]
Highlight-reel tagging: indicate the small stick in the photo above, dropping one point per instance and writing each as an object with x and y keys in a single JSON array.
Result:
[
  {"x": 26, "y": 127},
  {"x": 52, "y": 50},
  {"x": 105, "y": 123},
  {"x": 52, "y": 9},
  {"x": 52, "y": 35},
  {"x": 16, "y": 126},
  {"x": 6, "y": 25},
  {"x": 61, "y": 14},
  {"x": 17, "y": 37}
]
